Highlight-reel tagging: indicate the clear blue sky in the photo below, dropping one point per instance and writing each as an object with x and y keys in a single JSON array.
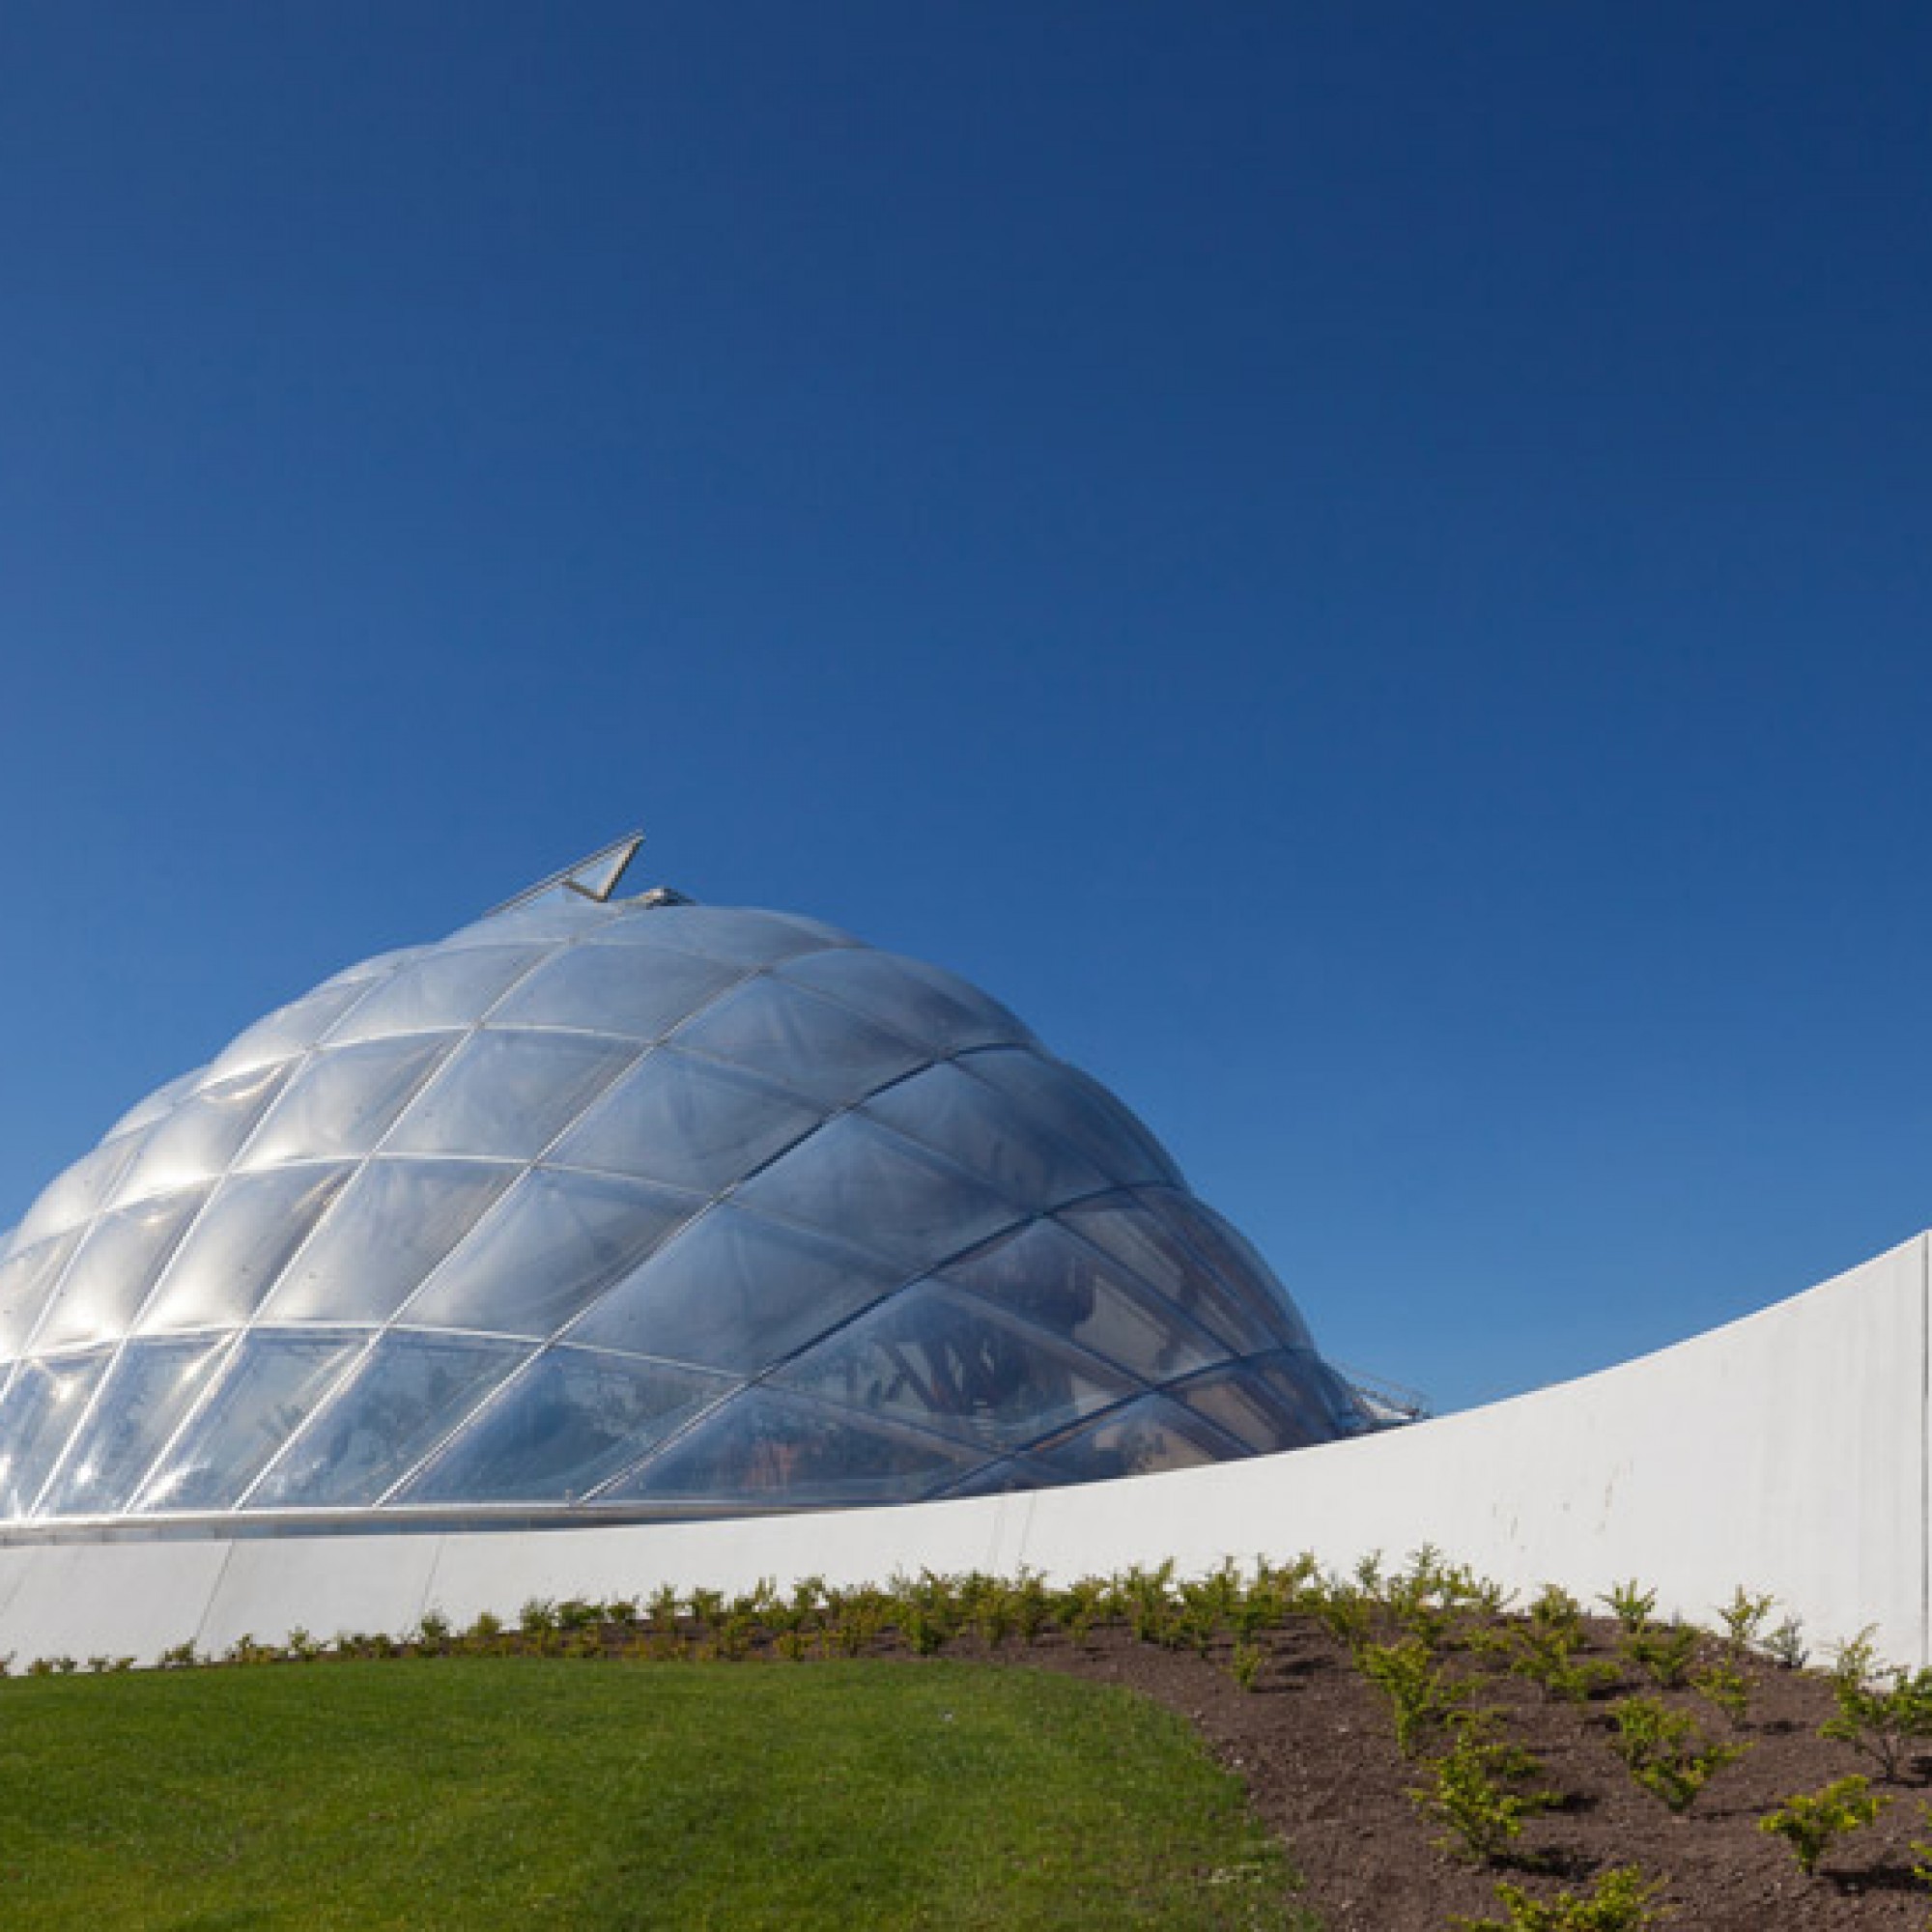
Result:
[{"x": 1364, "y": 567}]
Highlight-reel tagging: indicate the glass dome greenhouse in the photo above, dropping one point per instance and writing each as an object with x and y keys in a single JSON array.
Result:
[{"x": 628, "y": 1208}]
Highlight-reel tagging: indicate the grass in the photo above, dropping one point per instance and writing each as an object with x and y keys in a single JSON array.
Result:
[{"x": 481, "y": 1793}]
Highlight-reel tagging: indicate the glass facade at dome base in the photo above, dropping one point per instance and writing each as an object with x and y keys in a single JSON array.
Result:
[{"x": 627, "y": 1209}]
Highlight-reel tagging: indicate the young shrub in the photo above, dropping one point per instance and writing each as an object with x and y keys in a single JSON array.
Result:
[
  {"x": 1621, "y": 1900},
  {"x": 1811, "y": 1825},
  {"x": 1245, "y": 1665},
  {"x": 1922, "y": 1848},
  {"x": 1667, "y": 1654},
  {"x": 1631, "y": 1604},
  {"x": 1726, "y": 1687},
  {"x": 1420, "y": 1693},
  {"x": 1885, "y": 1715},
  {"x": 1477, "y": 1791},
  {"x": 1785, "y": 1645},
  {"x": 179, "y": 1657},
  {"x": 1545, "y": 1650},
  {"x": 1743, "y": 1618},
  {"x": 1665, "y": 1753}
]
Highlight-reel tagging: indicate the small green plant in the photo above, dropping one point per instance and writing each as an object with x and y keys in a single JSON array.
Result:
[
  {"x": 179, "y": 1657},
  {"x": 1621, "y": 1900},
  {"x": 1785, "y": 1645},
  {"x": 1667, "y": 1654},
  {"x": 1665, "y": 1753},
  {"x": 1245, "y": 1665},
  {"x": 1477, "y": 1789},
  {"x": 1544, "y": 1649},
  {"x": 1631, "y": 1604},
  {"x": 1812, "y": 1824},
  {"x": 1724, "y": 1684},
  {"x": 1922, "y": 1848},
  {"x": 1885, "y": 1715},
  {"x": 1743, "y": 1618},
  {"x": 1421, "y": 1693}
]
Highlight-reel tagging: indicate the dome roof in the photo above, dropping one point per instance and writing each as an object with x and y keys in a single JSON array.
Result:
[{"x": 640, "y": 1208}]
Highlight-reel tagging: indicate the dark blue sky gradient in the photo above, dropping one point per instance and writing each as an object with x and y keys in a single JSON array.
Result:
[{"x": 1364, "y": 567}]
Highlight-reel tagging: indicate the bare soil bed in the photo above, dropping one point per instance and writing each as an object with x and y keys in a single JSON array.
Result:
[{"x": 1315, "y": 1745}]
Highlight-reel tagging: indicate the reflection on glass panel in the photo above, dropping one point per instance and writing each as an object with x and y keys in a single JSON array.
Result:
[
  {"x": 548, "y": 921},
  {"x": 785, "y": 1452},
  {"x": 1003, "y": 1479},
  {"x": 955, "y": 1363},
  {"x": 510, "y": 1093},
  {"x": 1234, "y": 1260},
  {"x": 557, "y": 1242},
  {"x": 151, "y": 1391},
  {"x": 736, "y": 1293},
  {"x": 730, "y": 933},
  {"x": 253, "y": 1225},
  {"x": 289, "y": 1030},
  {"x": 117, "y": 1265},
  {"x": 1311, "y": 1391},
  {"x": 987, "y": 1135},
  {"x": 145, "y": 1113},
  {"x": 1050, "y": 1277},
  {"x": 861, "y": 1183},
  {"x": 439, "y": 992},
  {"x": 75, "y": 1196},
  {"x": 687, "y": 1122},
  {"x": 347, "y": 1099},
  {"x": 922, "y": 1002},
  {"x": 815, "y": 1046},
  {"x": 562, "y": 1427},
  {"x": 409, "y": 1393},
  {"x": 638, "y": 990},
  {"x": 276, "y": 1379},
  {"x": 198, "y": 1139},
  {"x": 26, "y": 1279},
  {"x": 37, "y": 1415},
  {"x": 396, "y": 1220},
  {"x": 379, "y": 967},
  {"x": 1146, "y": 1436},
  {"x": 1060, "y": 1100},
  {"x": 1252, "y": 1411},
  {"x": 1144, "y": 1243}
]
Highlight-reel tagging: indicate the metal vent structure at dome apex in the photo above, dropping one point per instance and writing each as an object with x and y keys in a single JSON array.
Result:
[{"x": 629, "y": 1209}]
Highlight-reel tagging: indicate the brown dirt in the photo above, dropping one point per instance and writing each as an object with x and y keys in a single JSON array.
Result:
[{"x": 1315, "y": 1745}]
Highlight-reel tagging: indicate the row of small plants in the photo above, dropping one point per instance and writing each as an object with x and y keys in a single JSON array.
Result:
[
  {"x": 1426, "y": 1635},
  {"x": 1404, "y": 1631}
]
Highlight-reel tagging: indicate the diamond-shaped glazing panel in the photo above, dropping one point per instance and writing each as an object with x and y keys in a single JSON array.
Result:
[
  {"x": 919, "y": 1001},
  {"x": 950, "y": 1361},
  {"x": 394, "y": 1223},
  {"x": 635, "y": 990},
  {"x": 554, "y": 1243},
  {"x": 765, "y": 1450},
  {"x": 346, "y": 1098},
  {"x": 732, "y": 1291},
  {"x": 566, "y": 1423},
  {"x": 861, "y": 1183},
  {"x": 811, "y": 1045},
  {"x": 509, "y": 1093},
  {"x": 687, "y": 1122},
  {"x": 111, "y": 1277},
  {"x": 408, "y": 1395},
  {"x": 274, "y": 1382},
  {"x": 43, "y": 1406},
  {"x": 153, "y": 1386},
  {"x": 253, "y": 1225}
]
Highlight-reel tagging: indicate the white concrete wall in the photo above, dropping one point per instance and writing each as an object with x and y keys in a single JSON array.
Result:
[{"x": 1787, "y": 1452}]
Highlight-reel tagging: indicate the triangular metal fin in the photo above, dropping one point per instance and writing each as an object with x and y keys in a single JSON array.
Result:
[{"x": 594, "y": 877}]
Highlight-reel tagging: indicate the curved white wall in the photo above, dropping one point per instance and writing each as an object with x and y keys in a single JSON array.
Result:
[{"x": 1787, "y": 1452}]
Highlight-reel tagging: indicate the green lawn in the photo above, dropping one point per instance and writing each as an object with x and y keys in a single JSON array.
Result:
[{"x": 487, "y": 1793}]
